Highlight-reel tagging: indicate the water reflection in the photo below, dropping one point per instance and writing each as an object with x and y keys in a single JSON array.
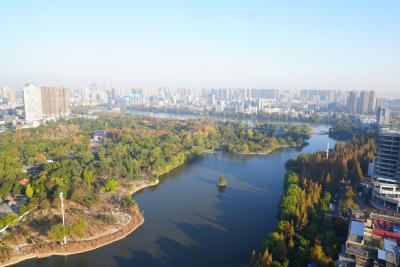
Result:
[{"x": 221, "y": 189}]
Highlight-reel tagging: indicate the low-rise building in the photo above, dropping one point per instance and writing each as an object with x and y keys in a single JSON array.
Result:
[
  {"x": 98, "y": 136},
  {"x": 372, "y": 241}
]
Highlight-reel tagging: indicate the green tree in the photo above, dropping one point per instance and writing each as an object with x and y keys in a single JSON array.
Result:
[
  {"x": 127, "y": 202},
  {"x": 8, "y": 219},
  {"x": 28, "y": 191},
  {"x": 57, "y": 232},
  {"x": 110, "y": 185},
  {"x": 79, "y": 228},
  {"x": 88, "y": 177},
  {"x": 222, "y": 181}
]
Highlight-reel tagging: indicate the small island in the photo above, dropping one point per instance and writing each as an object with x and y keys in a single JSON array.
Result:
[{"x": 222, "y": 181}]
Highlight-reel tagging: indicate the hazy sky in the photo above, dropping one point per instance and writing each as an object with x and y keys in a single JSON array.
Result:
[{"x": 346, "y": 44}]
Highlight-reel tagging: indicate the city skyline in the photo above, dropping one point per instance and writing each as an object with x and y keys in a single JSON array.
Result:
[{"x": 340, "y": 45}]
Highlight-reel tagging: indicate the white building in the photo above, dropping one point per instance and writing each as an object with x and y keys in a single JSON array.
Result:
[
  {"x": 220, "y": 106},
  {"x": 33, "y": 103}
]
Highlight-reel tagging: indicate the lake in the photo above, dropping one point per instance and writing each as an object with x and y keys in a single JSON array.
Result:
[{"x": 189, "y": 221}]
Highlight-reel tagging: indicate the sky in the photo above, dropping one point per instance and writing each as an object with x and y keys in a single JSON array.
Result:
[{"x": 341, "y": 44}]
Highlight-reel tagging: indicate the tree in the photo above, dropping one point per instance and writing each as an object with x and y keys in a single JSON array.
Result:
[
  {"x": 325, "y": 201},
  {"x": 79, "y": 228},
  {"x": 328, "y": 180},
  {"x": 358, "y": 171},
  {"x": 86, "y": 156},
  {"x": 290, "y": 202},
  {"x": 245, "y": 148},
  {"x": 292, "y": 178},
  {"x": 250, "y": 134},
  {"x": 88, "y": 177},
  {"x": 267, "y": 257},
  {"x": 280, "y": 250},
  {"x": 8, "y": 219},
  {"x": 222, "y": 181},
  {"x": 349, "y": 200},
  {"x": 349, "y": 192},
  {"x": 57, "y": 232},
  {"x": 110, "y": 185},
  {"x": 40, "y": 157},
  {"x": 291, "y": 243},
  {"x": 318, "y": 256},
  {"x": 127, "y": 202},
  {"x": 28, "y": 191}
]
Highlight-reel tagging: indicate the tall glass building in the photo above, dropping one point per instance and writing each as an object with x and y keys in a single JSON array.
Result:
[{"x": 386, "y": 190}]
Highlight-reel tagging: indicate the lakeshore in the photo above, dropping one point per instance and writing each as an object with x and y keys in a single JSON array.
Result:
[
  {"x": 92, "y": 243},
  {"x": 127, "y": 161},
  {"x": 188, "y": 206},
  {"x": 76, "y": 247},
  {"x": 87, "y": 244}
]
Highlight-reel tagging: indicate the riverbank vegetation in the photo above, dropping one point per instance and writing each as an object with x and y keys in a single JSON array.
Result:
[
  {"x": 60, "y": 157},
  {"x": 95, "y": 176},
  {"x": 305, "y": 234},
  {"x": 345, "y": 128},
  {"x": 261, "y": 116}
]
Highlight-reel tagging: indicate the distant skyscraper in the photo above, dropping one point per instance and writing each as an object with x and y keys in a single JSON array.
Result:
[
  {"x": 363, "y": 102},
  {"x": 8, "y": 95},
  {"x": 317, "y": 96},
  {"x": 352, "y": 102},
  {"x": 367, "y": 104},
  {"x": 32, "y": 103},
  {"x": 264, "y": 93}
]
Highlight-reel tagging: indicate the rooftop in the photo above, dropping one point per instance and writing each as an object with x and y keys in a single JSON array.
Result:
[
  {"x": 100, "y": 133},
  {"x": 390, "y": 131}
]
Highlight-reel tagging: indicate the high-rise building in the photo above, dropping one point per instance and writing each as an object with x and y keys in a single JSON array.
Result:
[
  {"x": 386, "y": 190},
  {"x": 7, "y": 95},
  {"x": 45, "y": 102},
  {"x": 352, "y": 102},
  {"x": 264, "y": 93},
  {"x": 363, "y": 102},
  {"x": 54, "y": 102},
  {"x": 317, "y": 96},
  {"x": 32, "y": 103},
  {"x": 367, "y": 102},
  {"x": 382, "y": 116}
]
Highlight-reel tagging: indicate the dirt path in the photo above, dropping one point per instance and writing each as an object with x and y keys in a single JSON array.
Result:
[{"x": 131, "y": 221}]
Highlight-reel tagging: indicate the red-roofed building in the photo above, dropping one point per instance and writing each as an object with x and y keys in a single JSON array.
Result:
[{"x": 24, "y": 181}]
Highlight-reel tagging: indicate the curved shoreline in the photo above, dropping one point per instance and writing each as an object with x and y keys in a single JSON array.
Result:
[
  {"x": 54, "y": 248},
  {"x": 66, "y": 252}
]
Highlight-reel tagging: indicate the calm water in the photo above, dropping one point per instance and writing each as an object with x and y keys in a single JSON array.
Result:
[{"x": 189, "y": 222}]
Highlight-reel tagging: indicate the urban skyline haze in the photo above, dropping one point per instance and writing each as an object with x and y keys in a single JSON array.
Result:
[{"x": 348, "y": 45}]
